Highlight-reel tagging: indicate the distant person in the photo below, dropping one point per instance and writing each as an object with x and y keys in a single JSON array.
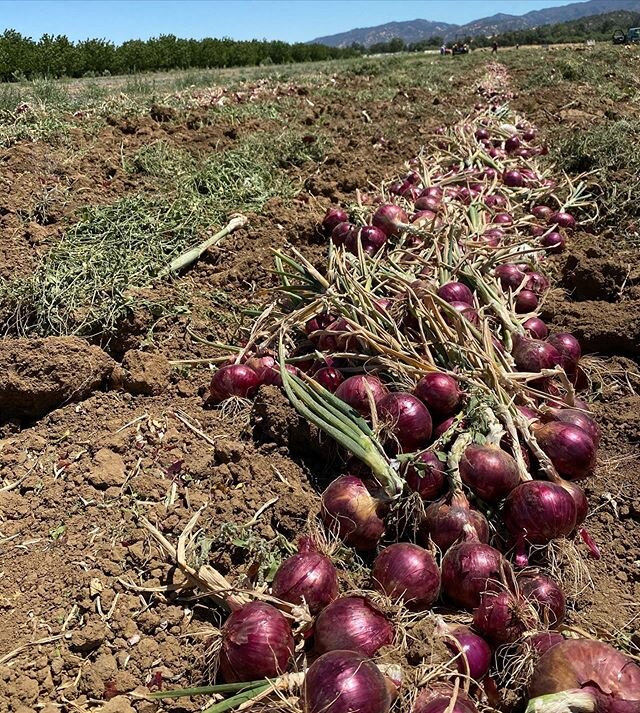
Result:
[
  {"x": 443, "y": 49},
  {"x": 494, "y": 48}
]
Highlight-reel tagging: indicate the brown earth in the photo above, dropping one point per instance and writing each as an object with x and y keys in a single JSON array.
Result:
[{"x": 87, "y": 611}]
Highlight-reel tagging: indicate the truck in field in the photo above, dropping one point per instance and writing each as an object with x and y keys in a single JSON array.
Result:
[{"x": 631, "y": 37}]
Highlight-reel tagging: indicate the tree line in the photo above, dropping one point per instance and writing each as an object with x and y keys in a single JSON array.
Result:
[{"x": 56, "y": 56}]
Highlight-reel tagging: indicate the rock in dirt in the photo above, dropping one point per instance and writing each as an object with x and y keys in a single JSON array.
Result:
[
  {"x": 39, "y": 375},
  {"x": 144, "y": 373},
  {"x": 108, "y": 470}
]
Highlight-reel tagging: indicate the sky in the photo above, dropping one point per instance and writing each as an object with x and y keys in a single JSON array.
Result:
[{"x": 288, "y": 20}]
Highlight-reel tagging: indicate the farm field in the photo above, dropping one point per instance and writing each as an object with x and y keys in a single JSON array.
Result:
[{"x": 105, "y": 420}]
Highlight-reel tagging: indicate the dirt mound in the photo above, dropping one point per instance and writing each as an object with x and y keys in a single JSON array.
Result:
[{"x": 38, "y": 375}]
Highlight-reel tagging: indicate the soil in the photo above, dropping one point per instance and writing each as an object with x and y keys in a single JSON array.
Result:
[{"x": 89, "y": 446}]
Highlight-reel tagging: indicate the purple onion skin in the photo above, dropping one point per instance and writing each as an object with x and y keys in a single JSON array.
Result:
[
  {"x": 455, "y": 292},
  {"x": 437, "y": 699},
  {"x": 579, "y": 499},
  {"x": 308, "y": 576},
  {"x": 539, "y": 512},
  {"x": 342, "y": 233},
  {"x": 542, "y": 641},
  {"x": 332, "y": 217},
  {"x": 233, "y": 380},
  {"x": 466, "y": 311},
  {"x": 350, "y": 510},
  {"x": 502, "y": 617},
  {"x": 426, "y": 476},
  {"x": 563, "y": 219},
  {"x": 554, "y": 242},
  {"x": 257, "y": 643},
  {"x": 546, "y": 597},
  {"x": 427, "y": 203},
  {"x": 541, "y": 211},
  {"x": 536, "y": 328},
  {"x": 512, "y": 144},
  {"x": 510, "y": 276},
  {"x": 345, "y": 682},
  {"x": 513, "y": 179},
  {"x": 371, "y": 238},
  {"x": 354, "y": 392},
  {"x": 503, "y": 219},
  {"x": 440, "y": 393},
  {"x": 592, "y": 666},
  {"x": 575, "y": 417},
  {"x": 526, "y": 301},
  {"x": 470, "y": 568},
  {"x": 570, "y": 449},
  {"x": 408, "y": 572},
  {"x": 389, "y": 218},
  {"x": 408, "y": 419},
  {"x": 329, "y": 377},
  {"x": 444, "y": 523},
  {"x": 489, "y": 472},
  {"x": 441, "y": 428},
  {"x": 534, "y": 355},
  {"x": 536, "y": 282},
  {"x": 352, "y": 624},
  {"x": 475, "y": 649},
  {"x": 569, "y": 348}
]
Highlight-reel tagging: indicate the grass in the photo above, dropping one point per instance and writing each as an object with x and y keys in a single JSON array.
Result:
[{"x": 86, "y": 284}]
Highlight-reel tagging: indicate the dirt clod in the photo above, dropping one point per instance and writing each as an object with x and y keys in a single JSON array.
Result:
[{"x": 145, "y": 373}]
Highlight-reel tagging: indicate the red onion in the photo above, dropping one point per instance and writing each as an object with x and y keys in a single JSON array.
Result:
[
  {"x": 440, "y": 393},
  {"x": 342, "y": 233},
  {"x": 579, "y": 500},
  {"x": 371, "y": 238},
  {"x": 529, "y": 134},
  {"x": 256, "y": 643},
  {"x": 349, "y": 509},
  {"x": 477, "y": 653},
  {"x": 445, "y": 523},
  {"x": 432, "y": 192},
  {"x": 503, "y": 617},
  {"x": 503, "y": 219},
  {"x": 534, "y": 355},
  {"x": 332, "y": 217},
  {"x": 510, "y": 276},
  {"x": 536, "y": 282},
  {"x": 407, "y": 418},
  {"x": 481, "y": 134},
  {"x": 438, "y": 699},
  {"x": 542, "y": 641},
  {"x": 489, "y": 472},
  {"x": 352, "y": 624},
  {"x": 354, "y": 391},
  {"x": 575, "y": 417},
  {"x": 468, "y": 569},
  {"x": 455, "y": 292},
  {"x": 553, "y": 241},
  {"x": 536, "y": 328},
  {"x": 539, "y": 512},
  {"x": 441, "y": 428},
  {"x": 592, "y": 672},
  {"x": 408, "y": 572},
  {"x": 308, "y": 576},
  {"x": 466, "y": 311},
  {"x": 546, "y": 597},
  {"x": 564, "y": 220},
  {"x": 512, "y": 144},
  {"x": 569, "y": 348},
  {"x": 233, "y": 380},
  {"x": 513, "y": 179},
  {"x": 426, "y": 476},
  {"x": 345, "y": 682},
  {"x": 570, "y": 449},
  {"x": 541, "y": 211},
  {"x": 536, "y": 230},
  {"x": 526, "y": 301},
  {"x": 390, "y": 219},
  {"x": 427, "y": 203}
]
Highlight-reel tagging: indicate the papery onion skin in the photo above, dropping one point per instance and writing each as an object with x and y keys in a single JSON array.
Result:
[
  {"x": 575, "y": 417},
  {"x": 569, "y": 348},
  {"x": 389, "y": 218},
  {"x": 525, "y": 301},
  {"x": 353, "y": 391},
  {"x": 545, "y": 595},
  {"x": 536, "y": 328},
  {"x": 476, "y": 651},
  {"x": 407, "y": 418},
  {"x": 329, "y": 377},
  {"x": 332, "y": 217},
  {"x": 437, "y": 699},
  {"x": 233, "y": 380},
  {"x": 542, "y": 641},
  {"x": 345, "y": 682},
  {"x": 309, "y": 576},
  {"x": 352, "y": 624},
  {"x": 440, "y": 393},
  {"x": 350, "y": 510},
  {"x": 444, "y": 523},
  {"x": 539, "y": 512},
  {"x": 585, "y": 663},
  {"x": 570, "y": 449},
  {"x": 257, "y": 642},
  {"x": 563, "y": 219},
  {"x": 408, "y": 572},
  {"x": 426, "y": 476},
  {"x": 534, "y": 355},
  {"x": 470, "y": 568},
  {"x": 489, "y": 472},
  {"x": 455, "y": 292},
  {"x": 342, "y": 233},
  {"x": 510, "y": 276},
  {"x": 503, "y": 617}
]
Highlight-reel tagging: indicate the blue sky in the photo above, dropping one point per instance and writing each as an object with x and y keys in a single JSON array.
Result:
[{"x": 289, "y": 20}]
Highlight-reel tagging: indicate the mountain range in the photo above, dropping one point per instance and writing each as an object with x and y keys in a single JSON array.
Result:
[{"x": 416, "y": 30}]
